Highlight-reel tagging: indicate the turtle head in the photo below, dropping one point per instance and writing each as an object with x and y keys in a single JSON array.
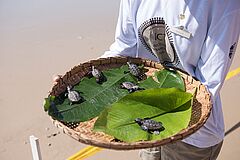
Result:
[
  {"x": 69, "y": 87},
  {"x": 138, "y": 121},
  {"x": 128, "y": 63}
]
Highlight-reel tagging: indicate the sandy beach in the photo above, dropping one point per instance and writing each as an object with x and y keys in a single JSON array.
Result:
[{"x": 42, "y": 38}]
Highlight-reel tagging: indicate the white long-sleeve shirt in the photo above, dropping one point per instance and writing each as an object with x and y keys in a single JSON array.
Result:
[{"x": 205, "y": 47}]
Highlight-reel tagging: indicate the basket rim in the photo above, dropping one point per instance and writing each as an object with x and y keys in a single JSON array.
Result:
[{"x": 124, "y": 145}]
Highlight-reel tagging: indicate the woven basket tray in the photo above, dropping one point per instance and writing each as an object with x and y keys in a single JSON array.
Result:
[{"x": 82, "y": 132}]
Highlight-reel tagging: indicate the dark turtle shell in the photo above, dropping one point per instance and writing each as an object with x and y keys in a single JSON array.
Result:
[
  {"x": 100, "y": 78},
  {"x": 150, "y": 125},
  {"x": 134, "y": 70},
  {"x": 128, "y": 85},
  {"x": 73, "y": 96},
  {"x": 131, "y": 87},
  {"x": 96, "y": 73}
]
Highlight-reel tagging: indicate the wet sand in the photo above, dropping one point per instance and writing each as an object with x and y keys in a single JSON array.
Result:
[
  {"x": 39, "y": 39},
  {"x": 42, "y": 38}
]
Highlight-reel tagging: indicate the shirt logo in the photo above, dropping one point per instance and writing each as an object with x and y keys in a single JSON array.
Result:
[{"x": 157, "y": 39}]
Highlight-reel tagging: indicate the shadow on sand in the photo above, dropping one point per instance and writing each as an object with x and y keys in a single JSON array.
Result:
[{"x": 236, "y": 126}]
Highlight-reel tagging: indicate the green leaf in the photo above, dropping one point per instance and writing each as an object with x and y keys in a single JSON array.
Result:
[
  {"x": 48, "y": 102},
  {"x": 170, "y": 106},
  {"x": 170, "y": 78},
  {"x": 96, "y": 96},
  {"x": 164, "y": 79}
]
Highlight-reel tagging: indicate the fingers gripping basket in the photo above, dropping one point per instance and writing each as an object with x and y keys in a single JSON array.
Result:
[{"x": 82, "y": 131}]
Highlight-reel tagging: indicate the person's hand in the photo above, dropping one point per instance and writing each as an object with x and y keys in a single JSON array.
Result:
[{"x": 56, "y": 78}]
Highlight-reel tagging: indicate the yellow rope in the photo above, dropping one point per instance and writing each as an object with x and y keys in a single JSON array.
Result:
[
  {"x": 233, "y": 73},
  {"x": 90, "y": 150},
  {"x": 84, "y": 153}
]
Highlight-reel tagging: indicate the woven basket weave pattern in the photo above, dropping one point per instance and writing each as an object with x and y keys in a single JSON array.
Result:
[{"x": 82, "y": 132}]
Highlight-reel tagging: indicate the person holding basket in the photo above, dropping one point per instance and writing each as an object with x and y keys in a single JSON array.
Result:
[{"x": 199, "y": 37}]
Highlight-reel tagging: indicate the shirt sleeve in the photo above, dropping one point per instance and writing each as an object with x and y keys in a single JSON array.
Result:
[
  {"x": 218, "y": 51},
  {"x": 125, "y": 43}
]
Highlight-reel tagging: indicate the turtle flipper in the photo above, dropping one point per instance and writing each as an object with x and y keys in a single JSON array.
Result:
[
  {"x": 157, "y": 132},
  {"x": 89, "y": 74},
  {"x": 144, "y": 128},
  {"x": 125, "y": 72},
  {"x": 130, "y": 90}
]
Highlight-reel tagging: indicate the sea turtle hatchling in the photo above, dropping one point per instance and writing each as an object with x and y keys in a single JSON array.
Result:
[
  {"x": 97, "y": 74},
  {"x": 73, "y": 96},
  {"x": 131, "y": 87},
  {"x": 150, "y": 125},
  {"x": 135, "y": 71}
]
